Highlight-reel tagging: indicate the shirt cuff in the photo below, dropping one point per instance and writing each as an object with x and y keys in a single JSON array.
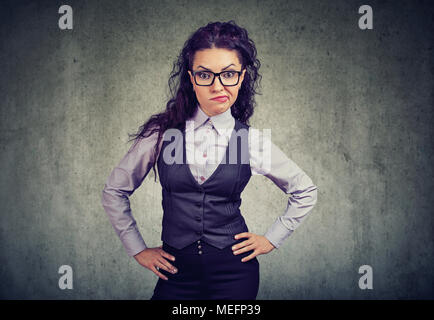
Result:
[
  {"x": 133, "y": 242},
  {"x": 277, "y": 233}
]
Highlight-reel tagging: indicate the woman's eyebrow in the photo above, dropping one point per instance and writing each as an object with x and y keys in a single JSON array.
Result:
[{"x": 222, "y": 68}]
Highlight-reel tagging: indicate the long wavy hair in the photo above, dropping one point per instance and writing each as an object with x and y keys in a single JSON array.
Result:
[{"x": 183, "y": 101}]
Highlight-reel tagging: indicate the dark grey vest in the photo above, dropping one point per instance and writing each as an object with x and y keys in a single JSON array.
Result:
[{"x": 208, "y": 212}]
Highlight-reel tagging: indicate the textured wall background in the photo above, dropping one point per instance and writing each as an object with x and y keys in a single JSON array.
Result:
[{"x": 353, "y": 108}]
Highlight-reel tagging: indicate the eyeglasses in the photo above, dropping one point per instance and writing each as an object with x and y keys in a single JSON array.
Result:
[{"x": 206, "y": 78}]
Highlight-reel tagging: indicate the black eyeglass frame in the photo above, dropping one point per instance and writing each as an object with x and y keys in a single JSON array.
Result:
[{"x": 216, "y": 75}]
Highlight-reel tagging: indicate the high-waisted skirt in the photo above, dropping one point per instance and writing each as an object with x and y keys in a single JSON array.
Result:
[{"x": 208, "y": 273}]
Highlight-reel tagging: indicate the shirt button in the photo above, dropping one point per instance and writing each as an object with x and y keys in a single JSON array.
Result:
[
  {"x": 202, "y": 178},
  {"x": 204, "y": 154}
]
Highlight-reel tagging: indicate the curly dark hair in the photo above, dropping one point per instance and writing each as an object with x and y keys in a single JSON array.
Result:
[{"x": 183, "y": 101}]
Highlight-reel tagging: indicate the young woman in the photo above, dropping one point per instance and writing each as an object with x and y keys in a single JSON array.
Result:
[{"x": 208, "y": 251}]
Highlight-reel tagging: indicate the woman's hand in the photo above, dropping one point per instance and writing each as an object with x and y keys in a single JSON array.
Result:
[
  {"x": 154, "y": 259},
  {"x": 255, "y": 242}
]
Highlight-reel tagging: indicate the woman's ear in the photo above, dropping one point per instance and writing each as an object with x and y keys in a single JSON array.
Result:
[
  {"x": 242, "y": 75},
  {"x": 191, "y": 78}
]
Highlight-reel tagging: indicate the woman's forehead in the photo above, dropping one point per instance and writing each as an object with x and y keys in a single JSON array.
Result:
[{"x": 216, "y": 58}]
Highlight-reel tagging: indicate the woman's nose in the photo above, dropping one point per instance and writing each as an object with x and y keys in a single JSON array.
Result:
[{"x": 217, "y": 85}]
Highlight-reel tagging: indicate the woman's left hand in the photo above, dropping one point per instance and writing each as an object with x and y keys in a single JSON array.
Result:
[{"x": 259, "y": 244}]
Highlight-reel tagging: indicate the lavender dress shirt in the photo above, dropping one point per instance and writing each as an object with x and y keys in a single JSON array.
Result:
[{"x": 206, "y": 141}]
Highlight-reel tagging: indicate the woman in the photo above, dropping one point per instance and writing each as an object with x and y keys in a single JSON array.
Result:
[{"x": 208, "y": 251}]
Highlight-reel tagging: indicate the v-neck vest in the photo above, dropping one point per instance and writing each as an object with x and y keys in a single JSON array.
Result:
[{"x": 209, "y": 211}]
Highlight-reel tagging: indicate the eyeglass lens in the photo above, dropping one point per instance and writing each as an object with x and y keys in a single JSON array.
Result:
[{"x": 205, "y": 78}]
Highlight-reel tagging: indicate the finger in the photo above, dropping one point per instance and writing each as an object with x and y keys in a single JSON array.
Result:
[
  {"x": 242, "y": 244},
  {"x": 161, "y": 266},
  {"x": 158, "y": 273},
  {"x": 242, "y": 235},
  {"x": 167, "y": 255},
  {"x": 245, "y": 249},
  {"x": 249, "y": 257},
  {"x": 167, "y": 266}
]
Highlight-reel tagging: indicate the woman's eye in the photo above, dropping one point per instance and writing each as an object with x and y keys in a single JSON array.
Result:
[
  {"x": 228, "y": 74},
  {"x": 204, "y": 75}
]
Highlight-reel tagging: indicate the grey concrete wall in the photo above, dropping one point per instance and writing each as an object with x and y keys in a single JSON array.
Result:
[{"x": 353, "y": 108}]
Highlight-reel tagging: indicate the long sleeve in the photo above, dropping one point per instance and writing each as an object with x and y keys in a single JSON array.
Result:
[
  {"x": 268, "y": 160},
  {"x": 125, "y": 178}
]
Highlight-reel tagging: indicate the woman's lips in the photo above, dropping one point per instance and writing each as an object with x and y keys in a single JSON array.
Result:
[{"x": 220, "y": 99}]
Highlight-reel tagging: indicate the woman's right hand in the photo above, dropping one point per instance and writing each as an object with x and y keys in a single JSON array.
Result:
[{"x": 154, "y": 259}]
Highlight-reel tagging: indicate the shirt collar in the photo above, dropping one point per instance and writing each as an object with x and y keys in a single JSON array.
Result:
[{"x": 222, "y": 122}]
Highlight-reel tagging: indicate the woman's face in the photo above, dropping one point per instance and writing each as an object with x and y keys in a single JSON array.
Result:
[{"x": 216, "y": 60}]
